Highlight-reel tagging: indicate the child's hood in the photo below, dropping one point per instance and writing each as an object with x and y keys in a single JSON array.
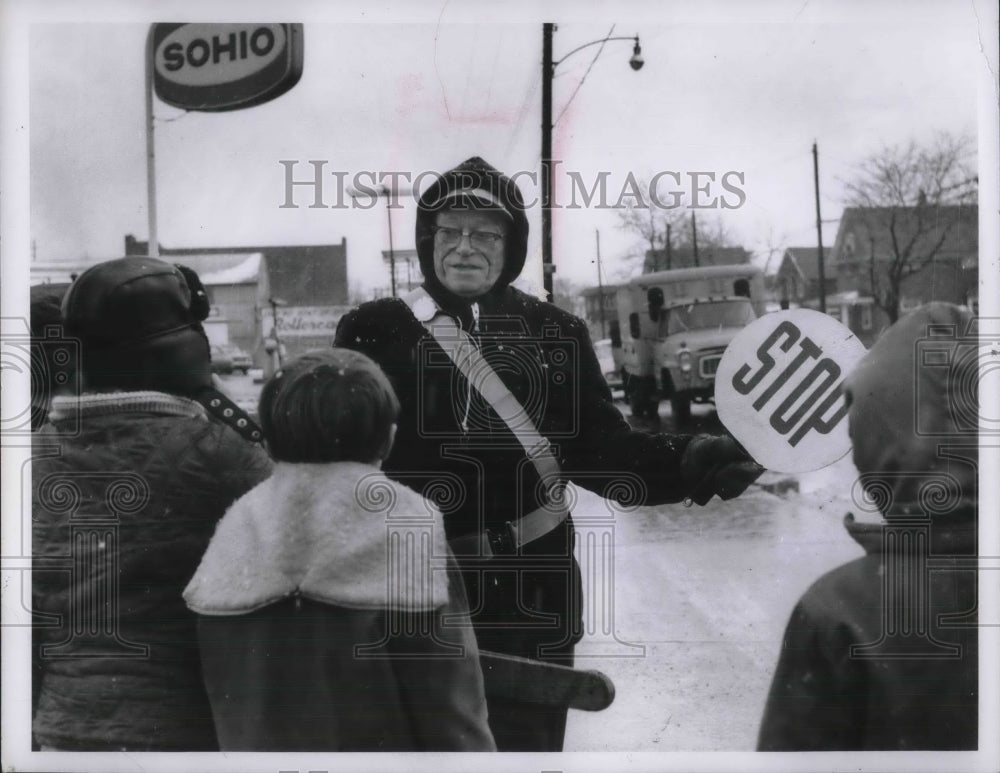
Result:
[
  {"x": 340, "y": 533},
  {"x": 902, "y": 411}
]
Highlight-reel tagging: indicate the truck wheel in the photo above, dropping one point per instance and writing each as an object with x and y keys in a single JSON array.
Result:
[
  {"x": 636, "y": 403},
  {"x": 681, "y": 409},
  {"x": 642, "y": 398}
]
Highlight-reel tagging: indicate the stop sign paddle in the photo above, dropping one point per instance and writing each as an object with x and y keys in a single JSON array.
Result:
[{"x": 778, "y": 389}]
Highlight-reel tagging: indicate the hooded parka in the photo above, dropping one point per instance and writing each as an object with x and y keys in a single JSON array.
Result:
[
  {"x": 323, "y": 627},
  {"x": 882, "y": 652},
  {"x": 451, "y": 444}
]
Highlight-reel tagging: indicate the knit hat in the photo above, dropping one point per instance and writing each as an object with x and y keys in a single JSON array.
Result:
[
  {"x": 139, "y": 327},
  {"x": 480, "y": 187},
  {"x": 328, "y": 405}
]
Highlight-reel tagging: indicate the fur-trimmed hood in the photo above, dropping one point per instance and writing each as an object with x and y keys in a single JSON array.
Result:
[{"x": 339, "y": 533}]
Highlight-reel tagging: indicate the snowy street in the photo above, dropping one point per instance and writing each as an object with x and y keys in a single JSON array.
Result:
[
  {"x": 688, "y": 625},
  {"x": 707, "y": 593}
]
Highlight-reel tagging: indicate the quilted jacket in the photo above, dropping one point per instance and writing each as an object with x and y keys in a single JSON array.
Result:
[{"x": 126, "y": 491}]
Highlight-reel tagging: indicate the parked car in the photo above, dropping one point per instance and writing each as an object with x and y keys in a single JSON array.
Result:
[
  {"x": 221, "y": 362},
  {"x": 605, "y": 356},
  {"x": 227, "y": 358},
  {"x": 240, "y": 359}
]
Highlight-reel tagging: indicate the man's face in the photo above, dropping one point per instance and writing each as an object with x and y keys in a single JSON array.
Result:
[{"x": 468, "y": 258}]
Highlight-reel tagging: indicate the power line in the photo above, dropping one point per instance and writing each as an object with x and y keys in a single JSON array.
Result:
[
  {"x": 493, "y": 72},
  {"x": 523, "y": 112},
  {"x": 468, "y": 75},
  {"x": 584, "y": 78}
]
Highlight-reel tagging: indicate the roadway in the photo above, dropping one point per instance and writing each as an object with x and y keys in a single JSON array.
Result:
[
  {"x": 686, "y": 606},
  {"x": 699, "y": 602}
]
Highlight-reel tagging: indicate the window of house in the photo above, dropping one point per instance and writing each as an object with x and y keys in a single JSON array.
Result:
[{"x": 849, "y": 245}]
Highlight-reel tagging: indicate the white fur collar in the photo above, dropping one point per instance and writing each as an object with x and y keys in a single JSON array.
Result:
[{"x": 339, "y": 533}]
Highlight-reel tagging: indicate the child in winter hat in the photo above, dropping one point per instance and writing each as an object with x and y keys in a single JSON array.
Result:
[
  {"x": 324, "y": 591},
  {"x": 139, "y": 327}
]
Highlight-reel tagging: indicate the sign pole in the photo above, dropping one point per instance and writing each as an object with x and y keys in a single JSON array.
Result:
[
  {"x": 153, "y": 248},
  {"x": 213, "y": 68}
]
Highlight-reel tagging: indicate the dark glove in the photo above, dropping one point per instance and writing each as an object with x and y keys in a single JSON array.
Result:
[{"x": 717, "y": 465}]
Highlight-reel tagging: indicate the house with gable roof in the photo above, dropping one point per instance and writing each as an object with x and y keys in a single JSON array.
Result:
[
  {"x": 934, "y": 251},
  {"x": 797, "y": 278}
]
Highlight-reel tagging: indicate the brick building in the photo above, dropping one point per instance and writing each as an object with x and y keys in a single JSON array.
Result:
[{"x": 302, "y": 287}]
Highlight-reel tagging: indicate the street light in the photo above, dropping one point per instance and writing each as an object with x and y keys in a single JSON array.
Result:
[{"x": 548, "y": 184}]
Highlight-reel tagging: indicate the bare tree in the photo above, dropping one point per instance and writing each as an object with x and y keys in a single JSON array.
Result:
[
  {"x": 667, "y": 231},
  {"x": 565, "y": 293},
  {"x": 913, "y": 198}
]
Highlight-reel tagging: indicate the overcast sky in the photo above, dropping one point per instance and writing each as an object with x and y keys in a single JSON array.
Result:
[{"x": 738, "y": 88}]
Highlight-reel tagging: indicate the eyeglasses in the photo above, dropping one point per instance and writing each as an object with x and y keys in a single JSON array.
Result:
[{"x": 481, "y": 240}]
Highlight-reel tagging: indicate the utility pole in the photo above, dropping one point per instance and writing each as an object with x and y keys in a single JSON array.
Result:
[
  {"x": 275, "y": 303},
  {"x": 153, "y": 247},
  {"x": 653, "y": 257},
  {"x": 547, "y": 182},
  {"x": 600, "y": 282},
  {"x": 669, "y": 258},
  {"x": 694, "y": 239},
  {"x": 390, "y": 196},
  {"x": 392, "y": 253},
  {"x": 819, "y": 233}
]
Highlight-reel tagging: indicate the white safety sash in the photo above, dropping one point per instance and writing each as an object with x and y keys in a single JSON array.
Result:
[{"x": 471, "y": 363}]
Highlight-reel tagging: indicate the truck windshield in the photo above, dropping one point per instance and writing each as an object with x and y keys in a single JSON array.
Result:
[{"x": 710, "y": 314}]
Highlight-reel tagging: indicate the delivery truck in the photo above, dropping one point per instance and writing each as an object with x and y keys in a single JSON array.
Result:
[{"x": 675, "y": 325}]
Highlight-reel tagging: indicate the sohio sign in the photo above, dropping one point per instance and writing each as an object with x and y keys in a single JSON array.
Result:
[
  {"x": 214, "y": 67},
  {"x": 778, "y": 389}
]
